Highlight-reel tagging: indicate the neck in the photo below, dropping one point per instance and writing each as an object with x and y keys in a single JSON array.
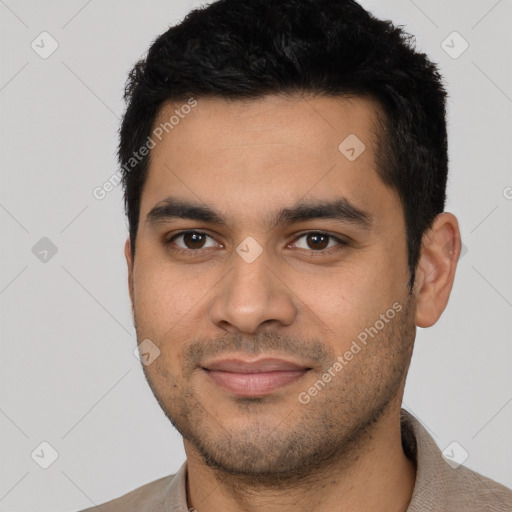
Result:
[{"x": 378, "y": 477}]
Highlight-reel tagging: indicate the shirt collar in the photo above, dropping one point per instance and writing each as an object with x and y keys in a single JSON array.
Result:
[{"x": 176, "y": 495}]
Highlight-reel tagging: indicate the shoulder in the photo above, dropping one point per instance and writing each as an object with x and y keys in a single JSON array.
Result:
[
  {"x": 477, "y": 492},
  {"x": 146, "y": 498},
  {"x": 443, "y": 484}
]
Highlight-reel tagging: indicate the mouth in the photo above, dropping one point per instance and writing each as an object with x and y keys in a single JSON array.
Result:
[{"x": 254, "y": 378}]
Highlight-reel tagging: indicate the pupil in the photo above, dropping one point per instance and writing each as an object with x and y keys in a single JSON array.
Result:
[
  {"x": 315, "y": 238},
  {"x": 195, "y": 237}
]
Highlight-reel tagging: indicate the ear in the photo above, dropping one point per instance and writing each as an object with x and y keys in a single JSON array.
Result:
[
  {"x": 441, "y": 246},
  {"x": 129, "y": 261}
]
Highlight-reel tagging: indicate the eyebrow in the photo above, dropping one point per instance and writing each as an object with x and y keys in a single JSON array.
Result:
[{"x": 340, "y": 209}]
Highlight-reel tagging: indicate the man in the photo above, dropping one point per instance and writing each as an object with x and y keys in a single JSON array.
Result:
[{"x": 285, "y": 167}]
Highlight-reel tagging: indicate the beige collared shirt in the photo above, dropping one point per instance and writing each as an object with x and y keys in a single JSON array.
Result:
[{"x": 438, "y": 488}]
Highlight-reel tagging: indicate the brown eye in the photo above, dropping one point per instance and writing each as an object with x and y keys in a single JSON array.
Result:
[
  {"x": 318, "y": 241},
  {"x": 191, "y": 240}
]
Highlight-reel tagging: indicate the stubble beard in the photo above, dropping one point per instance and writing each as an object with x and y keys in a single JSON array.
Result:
[{"x": 329, "y": 432}]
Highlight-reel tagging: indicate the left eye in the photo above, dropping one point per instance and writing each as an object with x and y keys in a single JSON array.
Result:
[{"x": 319, "y": 241}]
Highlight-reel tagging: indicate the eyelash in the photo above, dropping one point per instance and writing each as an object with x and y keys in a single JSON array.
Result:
[{"x": 197, "y": 252}]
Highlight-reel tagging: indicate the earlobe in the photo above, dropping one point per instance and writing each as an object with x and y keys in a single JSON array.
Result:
[{"x": 440, "y": 252}]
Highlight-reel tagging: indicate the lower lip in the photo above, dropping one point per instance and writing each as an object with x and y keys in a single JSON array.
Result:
[{"x": 254, "y": 384}]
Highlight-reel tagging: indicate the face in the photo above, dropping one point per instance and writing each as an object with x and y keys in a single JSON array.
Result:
[{"x": 279, "y": 301}]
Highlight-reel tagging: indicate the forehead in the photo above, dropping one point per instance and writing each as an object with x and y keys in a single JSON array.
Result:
[{"x": 249, "y": 156}]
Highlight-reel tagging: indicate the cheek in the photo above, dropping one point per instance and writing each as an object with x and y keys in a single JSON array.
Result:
[
  {"x": 349, "y": 301},
  {"x": 166, "y": 298},
  {"x": 332, "y": 303}
]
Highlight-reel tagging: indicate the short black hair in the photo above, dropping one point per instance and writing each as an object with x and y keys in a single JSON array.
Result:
[{"x": 239, "y": 49}]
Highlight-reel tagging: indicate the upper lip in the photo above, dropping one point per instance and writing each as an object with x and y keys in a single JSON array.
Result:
[{"x": 267, "y": 364}]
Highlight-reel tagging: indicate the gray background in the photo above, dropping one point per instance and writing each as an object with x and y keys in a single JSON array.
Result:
[{"x": 68, "y": 374}]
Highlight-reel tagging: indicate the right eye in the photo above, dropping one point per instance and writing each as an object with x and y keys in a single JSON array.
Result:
[{"x": 192, "y": 241}]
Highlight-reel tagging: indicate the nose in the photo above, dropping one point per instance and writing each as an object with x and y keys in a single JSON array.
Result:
[{"x": 252, "y": 298}]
